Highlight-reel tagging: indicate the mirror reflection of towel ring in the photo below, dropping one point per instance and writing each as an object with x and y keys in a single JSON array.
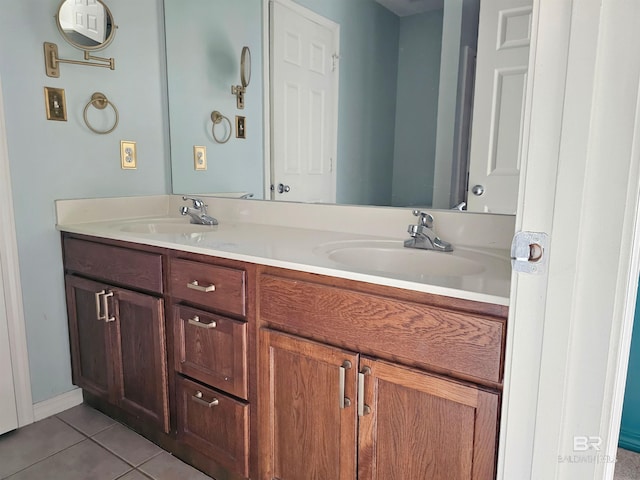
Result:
[
  {"x": 216, "y": 118},
  {"x": 100, "y": 101}
]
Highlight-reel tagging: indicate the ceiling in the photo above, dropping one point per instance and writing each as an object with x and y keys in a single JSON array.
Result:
[{"x": 404, "y": 8}]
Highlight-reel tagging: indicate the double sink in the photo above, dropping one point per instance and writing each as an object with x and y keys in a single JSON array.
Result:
[{"x": 374, "y": 255}]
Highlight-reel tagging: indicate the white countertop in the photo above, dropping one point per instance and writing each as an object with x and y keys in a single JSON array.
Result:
[{"x": 302, "y": 249}]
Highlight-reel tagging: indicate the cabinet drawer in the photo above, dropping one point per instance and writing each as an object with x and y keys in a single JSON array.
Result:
[
  {"x": 219, "y": 288},
  {"x": 211, "y": 349},
  {"x": 214, "y": 424},
  {"x": 117, "y": 265},
  {"x": 416, "y": 334}
]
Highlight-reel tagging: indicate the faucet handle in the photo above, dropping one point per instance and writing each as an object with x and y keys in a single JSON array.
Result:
[
  {"x": 197, "y": 203},
  {"x": 425, "y": 219}
]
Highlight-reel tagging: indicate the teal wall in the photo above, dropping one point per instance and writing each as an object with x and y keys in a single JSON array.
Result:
[
  {"x": 204, "y": 43},
  {"x": 51, "y": 160},
  {"x": 417, "y": 109},
  {"x": 630, "y": 428}
]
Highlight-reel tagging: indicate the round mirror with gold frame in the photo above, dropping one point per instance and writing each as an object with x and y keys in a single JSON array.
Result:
[{"x": 87, "y": 27}]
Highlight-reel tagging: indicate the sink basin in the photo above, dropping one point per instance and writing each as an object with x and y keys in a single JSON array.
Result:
[
  {"x": 168, "y": 225},
  {"x": 392, "y": 257}
]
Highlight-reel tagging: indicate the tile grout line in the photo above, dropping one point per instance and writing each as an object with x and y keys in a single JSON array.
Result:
[{"x": 122, "y": 458}]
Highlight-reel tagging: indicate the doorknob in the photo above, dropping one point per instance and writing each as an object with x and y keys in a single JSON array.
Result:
[
  {"x": 477, "y": 190},
  {"x": 282, "y": 188}
]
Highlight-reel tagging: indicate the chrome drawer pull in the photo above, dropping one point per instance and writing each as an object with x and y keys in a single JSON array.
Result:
[
  {"x": 98, "y": 316},
  {"x": 343, "y": 401},
  {"x": 196, "y": 321},
  {"x": 362, "y": 408},
  {"x": 198, "y": 399},
  {"x": 201, "y": 288},
  {"x": 105, "y": 305}
]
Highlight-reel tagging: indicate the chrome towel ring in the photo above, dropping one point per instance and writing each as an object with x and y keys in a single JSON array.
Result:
[
  {"x": 100, "y": 101},
  {"x": 216, "y": 118}
]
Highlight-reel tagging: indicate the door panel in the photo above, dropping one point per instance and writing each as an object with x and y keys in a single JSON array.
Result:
[
  {"x": 304, "y": 104},
  {"x": 312, "y": 437},
  {"x": 419, "y": 426},
  {"x": 90, "y": 339},
  {"x": 142, "y": 386},
  {"x": 504, "y": 37}
]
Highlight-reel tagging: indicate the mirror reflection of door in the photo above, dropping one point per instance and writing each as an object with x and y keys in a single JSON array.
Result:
[
  {"x": 504, "y": 39},
  {"x": 84, "y": 21},
  {"x": 304, "y": 79}
]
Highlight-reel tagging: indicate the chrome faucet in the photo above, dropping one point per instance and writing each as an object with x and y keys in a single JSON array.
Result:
[
  {"x": 422, "y": 235},
  {"x": 198, "y": 212}
]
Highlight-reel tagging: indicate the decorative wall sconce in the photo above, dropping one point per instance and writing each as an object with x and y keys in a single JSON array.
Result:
[
  {"x": 245, "y": 77},
  {"x": 88, "y": 28}
]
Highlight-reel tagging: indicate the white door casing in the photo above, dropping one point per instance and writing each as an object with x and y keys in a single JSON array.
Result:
[
  {"x": 8, "y": 408},
  {"x": 13, "y": 338},
  {"x": 304, "y": 80},
  {"x": 569, "y": 331},
  {"x": 504, "y": 37}
]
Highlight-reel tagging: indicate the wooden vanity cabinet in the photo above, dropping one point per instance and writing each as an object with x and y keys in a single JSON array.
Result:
[
  {"x": 345, "y": 394},
  {"x": 122, "y": 345},
  {"x": 117, "y": 335}
]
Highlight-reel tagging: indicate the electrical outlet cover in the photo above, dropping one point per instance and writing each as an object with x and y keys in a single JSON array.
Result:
[
  {"x": 199, "y": 157},
  {"x": 128, "y": 155}
]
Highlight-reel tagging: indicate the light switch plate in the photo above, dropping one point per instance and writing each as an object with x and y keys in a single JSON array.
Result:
[
  {"x": 55, "y": 104},
  {"x": 199, "y": 157},
  {"x": 240, "y": 127},
  {"x": 128, "y": 155}
]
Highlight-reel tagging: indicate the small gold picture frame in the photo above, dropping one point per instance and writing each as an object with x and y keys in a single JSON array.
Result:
[{"x": 55, "y": 104}]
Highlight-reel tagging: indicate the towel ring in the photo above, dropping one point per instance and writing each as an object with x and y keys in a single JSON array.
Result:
[
  {"x": 216, "y": 118},
  {"x": 100, "y": 101}
]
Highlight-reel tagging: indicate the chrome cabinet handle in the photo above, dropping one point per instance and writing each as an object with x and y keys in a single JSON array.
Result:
[
  {"x": 343, "y": 401},
  {"x": 198, "y": 399},
  {"x": 105, "y": 307},
  {"x": 201, "y": 288},
  {"x": 362, "y": 408},
  {"x": 196, "y": 322},
  {"x": 98, "y": 316}
]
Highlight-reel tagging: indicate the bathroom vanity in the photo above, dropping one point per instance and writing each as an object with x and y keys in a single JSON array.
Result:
[{"x": 260, "y": 367}]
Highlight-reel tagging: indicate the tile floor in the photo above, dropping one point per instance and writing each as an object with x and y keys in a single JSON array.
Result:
[
  {"x": 627, "y": 465},
  {"x": 83, "y": 444}
]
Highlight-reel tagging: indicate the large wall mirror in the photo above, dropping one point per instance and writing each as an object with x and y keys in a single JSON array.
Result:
[{"x": 372, "y": 102}]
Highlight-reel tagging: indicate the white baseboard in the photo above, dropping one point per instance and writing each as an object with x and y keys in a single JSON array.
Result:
[{"x": 55, "y": 405}]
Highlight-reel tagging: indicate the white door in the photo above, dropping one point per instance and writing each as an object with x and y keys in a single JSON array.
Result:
[
  {"x": 8, "y": 409},
  {"x": 504, "y": 37},
  {"x": 89, "y": 19},
  {"x": 8, "y": 405},
  {"x": 304, "y": 79}
]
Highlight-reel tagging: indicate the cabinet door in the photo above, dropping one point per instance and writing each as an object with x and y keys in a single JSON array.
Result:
[
  {"x": 90, "y": 337},
  {"x": 415, "y": 425},
  {"x": 141, "y": 382},
  {"x": 308, "y": 395}
]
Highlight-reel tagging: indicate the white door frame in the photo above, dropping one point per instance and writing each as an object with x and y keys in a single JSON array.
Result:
[
  {"x": 569, "y": 331},
  {"x": 12, "y": 287}
]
